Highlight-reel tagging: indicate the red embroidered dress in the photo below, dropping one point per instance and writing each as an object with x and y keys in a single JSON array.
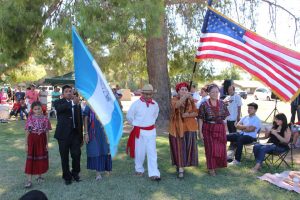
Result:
[
  {"x": 37, "y": 156},
  {"x": 214, "y": 133}
]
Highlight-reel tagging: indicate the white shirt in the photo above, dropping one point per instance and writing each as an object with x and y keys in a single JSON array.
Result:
[
  {"x": 141, "y": 115},
  {"x": 234, "y": 102},
  {"x": 251, "y": 121},
  {"x": 202, "y": 100},
  {"x": 43, "y": 97},
  {"x": 196, "y": 96}
]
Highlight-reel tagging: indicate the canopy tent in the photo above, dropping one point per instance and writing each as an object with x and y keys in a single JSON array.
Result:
[{"x": 68, "y": 78}]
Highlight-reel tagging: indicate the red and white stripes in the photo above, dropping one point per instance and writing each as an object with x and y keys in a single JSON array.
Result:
[{"x": 276, "y": 66}]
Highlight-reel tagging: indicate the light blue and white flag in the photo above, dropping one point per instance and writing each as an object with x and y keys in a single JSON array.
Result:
[{"x": 92, "y": 85}]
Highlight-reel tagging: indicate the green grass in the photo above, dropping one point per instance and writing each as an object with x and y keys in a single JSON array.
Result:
[{"x": 230, "y": 183}]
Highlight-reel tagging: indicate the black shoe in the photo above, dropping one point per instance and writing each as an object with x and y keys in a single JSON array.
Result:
[
  {"x": 155, "y": 178},
  {"x": 68, "y": 182},
  {"x": 76, "y": 178}
]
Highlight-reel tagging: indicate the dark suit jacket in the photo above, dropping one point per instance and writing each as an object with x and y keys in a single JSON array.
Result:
[{"x": 64, "y": 126}]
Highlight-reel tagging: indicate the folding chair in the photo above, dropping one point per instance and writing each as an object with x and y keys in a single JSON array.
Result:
[
  {"x": 252, "y": 144},
  {"x": 276, "y": 159}
]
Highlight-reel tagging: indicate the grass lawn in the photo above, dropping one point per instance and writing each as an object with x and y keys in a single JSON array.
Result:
[{"x": 230, "y": 183}]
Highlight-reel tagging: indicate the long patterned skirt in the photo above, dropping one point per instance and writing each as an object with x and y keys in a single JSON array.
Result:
[
  {"x": 184, "y": 151},
  {"x": 37, "y": 156},
  {"x": 215, "y": 145},
  {"x": 100, "y": 163}
]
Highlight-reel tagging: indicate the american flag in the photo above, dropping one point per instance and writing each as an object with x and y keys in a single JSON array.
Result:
[{"x": 276, "y": 66}]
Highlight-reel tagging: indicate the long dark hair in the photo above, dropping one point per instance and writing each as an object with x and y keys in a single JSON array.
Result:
[
  {"x": 284, "y": 126},
  {"x": 36, "y": 103}
]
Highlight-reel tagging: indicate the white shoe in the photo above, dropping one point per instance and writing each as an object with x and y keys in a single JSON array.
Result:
[
  {"x": 230, "y": 154},
  {"x": 234, "y": 162},
  {"x": 98, "y": 178}
]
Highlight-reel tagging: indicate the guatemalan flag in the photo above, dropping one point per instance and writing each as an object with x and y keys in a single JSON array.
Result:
[
  {"x": 92, "y": 85},
  {"x": 276, "y": 66}
]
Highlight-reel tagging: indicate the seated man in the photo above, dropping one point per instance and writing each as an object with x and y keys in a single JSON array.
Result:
[{"x": 248, "y": 126}]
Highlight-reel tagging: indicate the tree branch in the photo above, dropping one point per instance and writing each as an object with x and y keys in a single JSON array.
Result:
[
  {"x": 296, "y": 19},
  {"x": 173, "y": 2}
]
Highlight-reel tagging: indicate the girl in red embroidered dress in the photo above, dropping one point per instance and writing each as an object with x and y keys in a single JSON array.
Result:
[
  {"x": 212, "y": 114},
  {"x": 36, "y": 144}
]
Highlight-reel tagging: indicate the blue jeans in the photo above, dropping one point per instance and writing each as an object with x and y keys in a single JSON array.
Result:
[
  {"x": 22, "y": 112},
  {"x": 260, "y": 150}
]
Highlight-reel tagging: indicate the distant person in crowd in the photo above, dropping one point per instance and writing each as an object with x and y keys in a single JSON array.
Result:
[
  {"x": 97, "y": 146},
  {"x": 234, "y": 104},
  {"x": 118, "y": 97},
  {"x": 295, "y": 108},
  {"x": 36, "y": 144},
  {"x": 183, "y": 130},
  {"x": 15, "y": 109},
  {"x": 43, "y": 97},
  {"x": 9, "y": 94},
  {"x": 3, "y": 96},
  {"x": 34, "y": 195},
  {"x": 212, "y": 114},
  {"x": 119, "y": 91},
  {"x": 13, "y": 94},
  {"x": 279, "y": 138},
  {"x": 69, "y": 133},
  {"x": 32, "y": 95},
  {"x": 142, "y": 115},
  {"x": 19, "y": 94},
  {"x": 204, "y": 96},
  {"x": 248, "y": 127},
  {"x": 195, "y": 93},
  {"x": 55, "y": 95},
  {"x": 295, "y": 134},
  {"x": 23, "y": 109},
  {"x": 222, "y": 92}
]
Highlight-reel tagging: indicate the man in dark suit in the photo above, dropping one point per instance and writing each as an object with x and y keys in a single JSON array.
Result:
[
  {"x": 69, "y": 133},
  {"x": 295, "y": 108}
]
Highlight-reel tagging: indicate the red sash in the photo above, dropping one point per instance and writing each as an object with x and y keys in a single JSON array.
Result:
[{"x": 135, "y": 133}]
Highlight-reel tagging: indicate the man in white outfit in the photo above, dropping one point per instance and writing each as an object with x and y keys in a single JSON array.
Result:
[{"x": 142, "y": 115}]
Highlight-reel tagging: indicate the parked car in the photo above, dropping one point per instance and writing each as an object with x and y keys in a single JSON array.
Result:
[
  {"x": 49, "y": 88},
  {"x": 263, "y": 93},
  {"x": 240, "y": 92}
]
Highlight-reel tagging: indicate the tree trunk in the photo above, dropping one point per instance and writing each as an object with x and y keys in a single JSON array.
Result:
[{"x": 157, "y": 67}]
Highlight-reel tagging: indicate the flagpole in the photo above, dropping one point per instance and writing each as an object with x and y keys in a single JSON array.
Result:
[
  {"x": 209, "y": 2},
  {"x": 192, "y": 77}
]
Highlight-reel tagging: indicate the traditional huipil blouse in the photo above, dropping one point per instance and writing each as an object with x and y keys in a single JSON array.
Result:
[
  {"x": 179, "y": 125},
  {"x": 213, "y": 125},
  {"x": 37, "y": 124}
]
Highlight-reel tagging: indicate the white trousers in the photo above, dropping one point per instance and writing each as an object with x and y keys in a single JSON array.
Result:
[{"x": 146, "y": 144}]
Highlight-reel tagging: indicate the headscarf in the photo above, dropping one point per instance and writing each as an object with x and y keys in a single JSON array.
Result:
[{"x": 180, "y": 85}]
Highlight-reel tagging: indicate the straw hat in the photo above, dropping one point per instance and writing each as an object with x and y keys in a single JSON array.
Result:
[{"x": 148, "y": 88}]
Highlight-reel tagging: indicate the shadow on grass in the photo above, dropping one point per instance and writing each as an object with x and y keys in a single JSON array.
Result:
[{"x": 230, "y": 183}]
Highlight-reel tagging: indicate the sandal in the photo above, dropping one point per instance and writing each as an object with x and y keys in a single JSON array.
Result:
[
  {"x": 98, "y": 178},
  {"x": 40, "y": 179},
  {"x": 28, "y": 184},
  {"x": 139, "y": 174},
  {"x": 180, "y": 175},
  {"x": 212, "y": 172},
  {"x": 155, "y": 178}
]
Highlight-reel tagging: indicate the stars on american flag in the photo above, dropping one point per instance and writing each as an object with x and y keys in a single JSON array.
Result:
[{"x": 219, "y": 24}]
